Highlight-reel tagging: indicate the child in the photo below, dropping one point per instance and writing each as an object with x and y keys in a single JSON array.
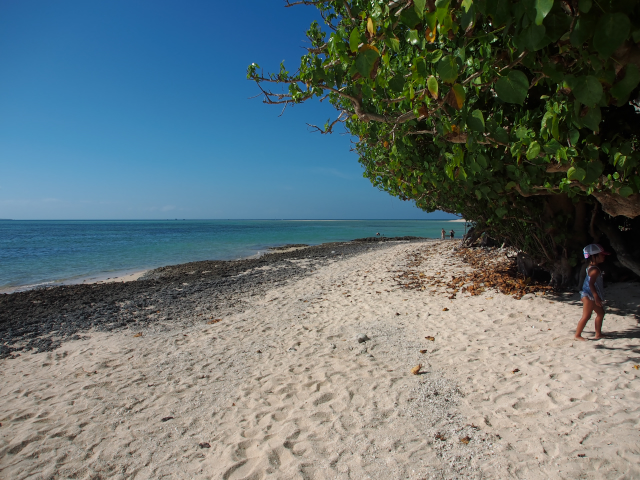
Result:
[{"x": 592, "y": 290}]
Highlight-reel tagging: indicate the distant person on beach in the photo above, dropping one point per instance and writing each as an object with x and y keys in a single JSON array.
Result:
[
  {"x": 378, "y": 234},
  {"x": 442, "y": 234},
  {"x": 592, "y": 291},
  {"x": 451, "y": 234}
]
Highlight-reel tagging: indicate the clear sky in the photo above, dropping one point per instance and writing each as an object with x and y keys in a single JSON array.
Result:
[{"x": 125, "y": 109}]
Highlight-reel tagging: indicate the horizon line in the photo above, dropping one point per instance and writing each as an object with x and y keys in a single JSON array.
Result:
[{"x": 224, "y": 219}]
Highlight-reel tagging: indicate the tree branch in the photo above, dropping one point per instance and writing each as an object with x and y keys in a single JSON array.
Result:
[{"x": 329, "y": 129}]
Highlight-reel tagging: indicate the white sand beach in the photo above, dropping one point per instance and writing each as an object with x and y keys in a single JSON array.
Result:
[{"x": 285, "y": 390}]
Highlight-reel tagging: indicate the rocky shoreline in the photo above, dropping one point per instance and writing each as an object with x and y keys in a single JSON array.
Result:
[{"x": 42, "y": 319}]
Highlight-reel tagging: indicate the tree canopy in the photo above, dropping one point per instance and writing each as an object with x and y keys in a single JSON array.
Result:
[{"x": 521, "y": 115}]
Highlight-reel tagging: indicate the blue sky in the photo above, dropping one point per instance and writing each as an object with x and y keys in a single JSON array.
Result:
[{"x": 140, "y": 109}]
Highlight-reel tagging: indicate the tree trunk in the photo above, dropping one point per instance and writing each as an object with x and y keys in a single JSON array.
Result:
[{"x": 624, "y": 257}]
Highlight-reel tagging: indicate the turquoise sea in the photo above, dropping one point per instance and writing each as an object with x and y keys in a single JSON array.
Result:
[{"x": 50, "y": 252}]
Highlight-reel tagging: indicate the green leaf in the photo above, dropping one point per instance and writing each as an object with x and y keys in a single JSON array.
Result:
[
  {"x": 475, "y": 121},
  {"x": 552, "y": 147},
  {"x": 532, "y": 37},
  {"x": 576, "y": 173},
  {"x": 501, "y": 212},
  {"x": 584, "y": 5},
  {"x": 412, "y": 37},
  {"x": 421, "y": 67},
  {"x": 623, "y": 88},
  {"x": 557, "y": 25},
  {"x": 510, "y": 186},
  {"x": 442, "y": 11},
  {"x": 588, "y": 90},
  {"x": 397, "y": 83},
  {"x": 432, "y": 85},
  {"x": 410, "y": 17},
  {"x": 625, "y": 191},
  {"x": 419, "y": 6},
  {"x": 583, "y": 30},
  {"x": 434, "y": 56},
  {"x": 501, "y": 135},
  {"x": 513, "y": 88},
  {"x": 393, "y": 44},
  {"x": 431, "y": 20},
  {"x": 574, "y": 136},
  {"x": 612, "y": 29},
  {"x": 468, "y": 18},
  {"x": 555, "y": 127},
  {"x": 448, "y": 69},
  {"x": 592, "y": 119},
  {"x": 466, "y": 5},
  {"x": 594, "y": 170},
  {"x": 543, "y": 7},
  {"x": 500, "y": 11},
  {"x": 354, "y": 40},
  {"x": 365, "y": 61},
  {"x": 533, "y": 150}
]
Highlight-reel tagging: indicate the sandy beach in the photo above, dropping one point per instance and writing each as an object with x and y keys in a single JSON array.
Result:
[{"x": 310, "y": 376}]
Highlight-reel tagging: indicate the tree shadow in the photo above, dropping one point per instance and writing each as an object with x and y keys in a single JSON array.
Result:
[{"x": 623, "y": 300}]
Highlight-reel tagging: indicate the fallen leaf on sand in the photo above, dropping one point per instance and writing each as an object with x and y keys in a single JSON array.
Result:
[
  {"x": 515, "y": 370},
  {"x": 445, "y": 309},
  {"x": 423, "y": 351},
  {"x": 138, "y": 334},
  {"x": 439, "y": 436},
  {"x": 204, "y": 445},
  {"x": 582, "y": 455},
  {"x": 165, "y": 419},
  {"x": 211, "y": 322},
  {"x": 636, "y": 367},
  {"x": 465, "y": 440},
  {"x": 432, "y": 339},
  {"x": 416, "y": 370}
]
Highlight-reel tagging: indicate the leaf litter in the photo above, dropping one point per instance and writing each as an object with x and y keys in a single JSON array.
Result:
[{"x": 490, "y": 269}]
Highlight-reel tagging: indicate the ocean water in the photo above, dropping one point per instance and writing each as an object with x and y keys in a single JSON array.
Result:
[{"x": 36, "y": 253}]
